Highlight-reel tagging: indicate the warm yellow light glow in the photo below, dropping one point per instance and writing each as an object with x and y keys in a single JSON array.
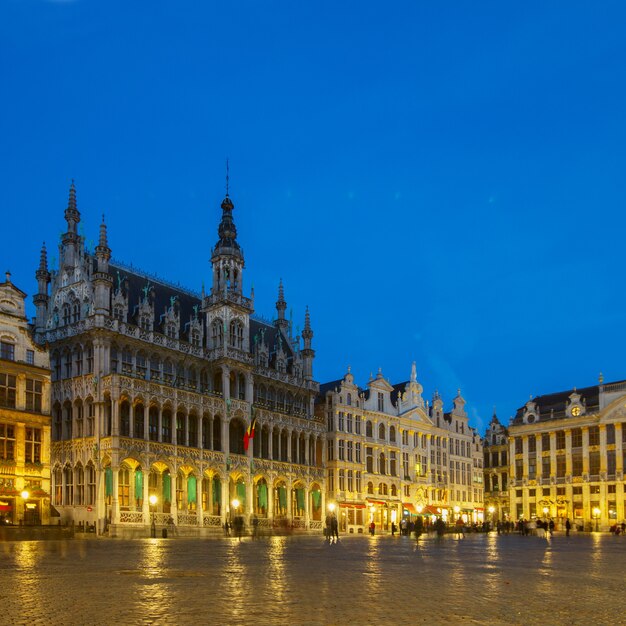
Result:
[
  {"x": 457, "y": 509},
  {"x": 420, "y": 508},
  {"x": 491, "y": 510},
  {"x": 331, "y": 507},
  {"x": 153, "y": 500},
  {"x": 596, "y": 512},
  {"x": 25, "y": 494},
  {"x": 235, "y": 503},
  {"x": 545, "y": 510}
]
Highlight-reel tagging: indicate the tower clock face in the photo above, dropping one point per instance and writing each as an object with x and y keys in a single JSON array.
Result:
[{"x": 576, "y": 411}]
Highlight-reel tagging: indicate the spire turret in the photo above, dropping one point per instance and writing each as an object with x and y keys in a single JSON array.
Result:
[
  {"x": 41, "y": 297},
  {"x": 72, "y": 215},
  {"x": 307, "y": 353},
  {"x": 281, "y": 306}
]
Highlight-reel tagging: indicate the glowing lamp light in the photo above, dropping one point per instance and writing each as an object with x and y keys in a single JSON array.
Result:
[
  {"x": 491, "y": 510},
  {"x": 153, "y": 500},
  {"x": 420, "y": 508},
  {"x": 235, "y": 503},
  {"x": 545, "y": 510},
  {"x": 331, "y": 507},
  {"x": 25, "y": 495},
  {"x": 596, "y": 512},
  {"x": 457, "y": 509}
]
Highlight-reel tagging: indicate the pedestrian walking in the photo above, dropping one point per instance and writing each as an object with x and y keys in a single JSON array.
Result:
[
  {"x": 335, "y": 527},
  {"x": 372, "y": 528},
  {"x": 568, "y": 527}
]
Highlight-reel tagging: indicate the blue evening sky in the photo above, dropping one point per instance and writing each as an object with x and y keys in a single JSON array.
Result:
[{"x": 441, "y": 182}]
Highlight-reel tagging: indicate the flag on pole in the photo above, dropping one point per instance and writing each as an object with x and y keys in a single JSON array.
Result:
[{"x": 249, "y": 434}]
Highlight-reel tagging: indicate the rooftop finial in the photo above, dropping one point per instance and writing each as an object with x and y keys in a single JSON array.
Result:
[
  {"x": 413, "y": 373},
  {"x": 601, "y": 378},
  {"x": 102, "y": 242},
  {"x": 8, "y": 276},
  {"x": 43, "y": 258}
]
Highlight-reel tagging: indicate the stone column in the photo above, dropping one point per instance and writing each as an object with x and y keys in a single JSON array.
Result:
[
  {"x": 249, "y": 388},
  {"x": 186, "y": 429},
  {"x": 115, "y": 509},
  {"x": 115, "y": 417},
  {"x": 199, "y": 507},
  {"x": 145, "y": 509},
  {"x": 225, "y": 382},
  {"x": 307, "y": 450},
  {"x": 160, "y": 433},
  {"x": 174, "y": 425},
  {"x": 270, "y": 446},
  {"x": 146, "y": 422},
  {"x": 200, "y": 430},
  {"x": 289, "y": 452},
  {"x": 619, "y": 458},
  {"x": 226, "y": 500}
]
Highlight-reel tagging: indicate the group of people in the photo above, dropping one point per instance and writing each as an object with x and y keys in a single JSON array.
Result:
[{"x": 332, "y": 528}]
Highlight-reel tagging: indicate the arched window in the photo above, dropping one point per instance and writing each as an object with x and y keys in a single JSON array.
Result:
[
  {"x": 381, "y": 431},
  {"x": 370, "y": 487},
  {"x": 382, "y": 466},
  {"x": 392, "y": 434},
  {"x": 368, "y": 429},
  {"x": 236, "y": 334},
  {"x": 217, "y": 333}
]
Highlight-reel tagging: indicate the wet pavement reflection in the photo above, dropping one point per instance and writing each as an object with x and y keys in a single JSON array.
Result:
[{"x": 305, "y": 580}]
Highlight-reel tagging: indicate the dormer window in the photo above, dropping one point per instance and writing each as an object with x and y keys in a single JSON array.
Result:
[
  {"x": 195, "y": 337},
  {"x": 170, "y": 330},
  {"x": 144, "y": 322},
  {"x": 66, "y": 314},
  {"x": 118, "y": 312},
  {"x": 75, "y": 312},
  {"x": 381, "y": 401},
  {"x": 7, "y": 351}
]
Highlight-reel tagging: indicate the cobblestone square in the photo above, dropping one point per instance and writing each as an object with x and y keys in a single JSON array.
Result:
[{"x": 482, "y": 579}]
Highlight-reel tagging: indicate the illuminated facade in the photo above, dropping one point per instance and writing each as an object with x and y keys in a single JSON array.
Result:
[
  {"x": 390, "y": 455},
  {"x": 567, "y": 453},
  {"x": 154, "y": 387},
  {"x": 24, "y": 416},
  {"x": 496, "y": 471}
]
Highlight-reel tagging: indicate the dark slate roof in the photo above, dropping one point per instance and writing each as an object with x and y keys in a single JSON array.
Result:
[
  {"x": 397, "y": 390},
  {"x": 326, "y": 387},
  {"x": 553, "y": 404},
  {"x": 133, "y": 282}
]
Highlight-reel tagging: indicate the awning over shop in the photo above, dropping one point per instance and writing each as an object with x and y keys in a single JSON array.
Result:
[
  {"x": 372, "y": 501},
  {"x": 350, "y": 505},
  {"x": 5, "y": 506},
  {"x": 429, "y": 509},
  {"x": 407, "y": 506}
]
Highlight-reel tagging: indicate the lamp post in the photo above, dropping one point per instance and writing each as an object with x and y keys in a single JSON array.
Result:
[
  {"x": 25, "y": 495},
  {"x": 457, "y": 510},
  {"x": 546, "y": 510},
  {"x": 596, "y": 515},
  {"x": 153, "y": 500}
]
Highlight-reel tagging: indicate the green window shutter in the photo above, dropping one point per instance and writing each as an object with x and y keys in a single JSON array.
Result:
[
  {"x": 167, "y": 487},
  {"x": 241, "y": 493},
  {"x": 108, "y": 482},
  {"x": 282, "y": 497},
  {"x": 262, "y": 491},
  {"x": 191, "y": 490},
  {"x": 217, "y": 490},
  {"x": 138, "y": 484}
]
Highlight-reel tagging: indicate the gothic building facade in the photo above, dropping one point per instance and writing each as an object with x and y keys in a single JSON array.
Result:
[
  {"x": 392, "y": 455},
  {"x": 154, "y": 388}
]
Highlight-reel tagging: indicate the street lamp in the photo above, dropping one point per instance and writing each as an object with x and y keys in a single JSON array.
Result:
[
  {"x": 331, "y": 507},
  {"x": 457, "y": 510},
  {"x": 153, "y": 500},
  {"x": 25, "y": 495},
  {"x": 596, "y": 514},
  {"x": 546, "y": 510}
]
